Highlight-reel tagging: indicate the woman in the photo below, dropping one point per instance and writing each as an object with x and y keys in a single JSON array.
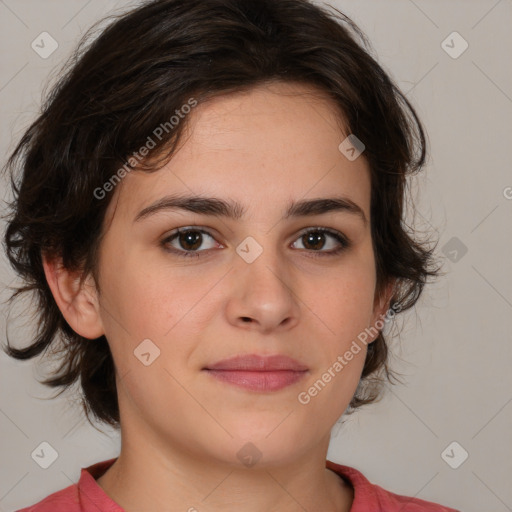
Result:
[{"x": 210, "y": 211}]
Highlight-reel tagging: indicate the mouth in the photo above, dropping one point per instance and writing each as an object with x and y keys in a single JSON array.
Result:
[{"x": 258, "y": 373}]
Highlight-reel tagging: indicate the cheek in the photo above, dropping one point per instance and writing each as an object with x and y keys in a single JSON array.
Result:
[
  {"x": 160, "y": 306},
  {"x": 143, "y": 299},
  {"x": 345, "y": 302},
  {"x": 346, "y": 306}
]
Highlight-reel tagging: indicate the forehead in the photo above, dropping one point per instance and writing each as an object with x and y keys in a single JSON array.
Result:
[{"x": 263, "y": 147}]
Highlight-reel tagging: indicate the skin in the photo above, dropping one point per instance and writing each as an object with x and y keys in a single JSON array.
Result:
[{"x": 181, "y": 429}]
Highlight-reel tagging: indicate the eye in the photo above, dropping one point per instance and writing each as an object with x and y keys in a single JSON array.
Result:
[
  {"x": 185, "y": 242},
  {"x": 315, "y": 238},
  {"x": 189, "y": 239}
]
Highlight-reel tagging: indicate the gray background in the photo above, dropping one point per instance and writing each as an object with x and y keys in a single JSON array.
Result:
[{"x": 455, "y": 346}]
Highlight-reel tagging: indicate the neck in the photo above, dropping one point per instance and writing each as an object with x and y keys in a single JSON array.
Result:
[{"x": 149, "y": 475}]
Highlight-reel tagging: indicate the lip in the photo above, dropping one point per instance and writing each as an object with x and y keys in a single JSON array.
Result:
[
  {"x": 258, "y": 373},
  {"x": 255, "y": 363}
]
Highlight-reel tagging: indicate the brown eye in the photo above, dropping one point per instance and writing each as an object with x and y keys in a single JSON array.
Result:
[
  {"x": 190, "y": 240},
  {"x": 187, "y": 242},
  {"x": 314, "y": 240}
]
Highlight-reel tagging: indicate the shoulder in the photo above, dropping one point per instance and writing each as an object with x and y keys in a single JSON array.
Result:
[
  {"x": 368, "y": 496},
  {"x": 65, "y": 500},
  {"x": 84, "y": 496}
]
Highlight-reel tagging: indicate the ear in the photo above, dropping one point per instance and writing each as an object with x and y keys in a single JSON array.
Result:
[
  {"x": 78, "y": 304},
  {"x": 380, "y": 307}
]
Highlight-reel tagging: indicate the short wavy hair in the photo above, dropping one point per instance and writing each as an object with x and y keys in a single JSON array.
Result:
[{"x": 134, "y": 76}]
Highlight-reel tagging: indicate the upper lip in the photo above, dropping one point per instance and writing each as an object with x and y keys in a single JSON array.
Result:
[{"x": 255, "y": 362}]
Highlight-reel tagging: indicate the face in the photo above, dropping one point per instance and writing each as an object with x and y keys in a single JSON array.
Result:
[{"x": 259, "y": 283}]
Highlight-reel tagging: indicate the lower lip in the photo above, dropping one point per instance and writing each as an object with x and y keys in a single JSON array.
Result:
[{"x": 258, "y": 380}]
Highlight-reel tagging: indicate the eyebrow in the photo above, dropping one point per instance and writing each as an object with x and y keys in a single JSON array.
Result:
[{"x": 217, "y": 207}]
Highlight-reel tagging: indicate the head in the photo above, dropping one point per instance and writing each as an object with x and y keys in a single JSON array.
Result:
[{"x": 254, "y": 110}]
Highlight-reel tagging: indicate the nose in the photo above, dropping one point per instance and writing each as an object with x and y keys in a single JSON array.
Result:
[{"x": 262, "y": 296}]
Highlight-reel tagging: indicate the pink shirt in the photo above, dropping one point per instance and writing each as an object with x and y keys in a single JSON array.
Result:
[{"x": 88, "y": 496}]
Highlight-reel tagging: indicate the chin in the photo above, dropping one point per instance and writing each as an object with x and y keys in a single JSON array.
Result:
[{"x": 268, "y": 444}]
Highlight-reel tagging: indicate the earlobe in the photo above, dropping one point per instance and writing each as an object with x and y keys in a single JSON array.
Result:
[{"x": 77, "y": 302}]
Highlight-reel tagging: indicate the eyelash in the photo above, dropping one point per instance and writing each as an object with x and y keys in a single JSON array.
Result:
[{"x": 345, "y": 243}]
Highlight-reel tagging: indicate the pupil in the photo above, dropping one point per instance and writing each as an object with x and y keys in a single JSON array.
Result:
[
  {"x": 189, "y": 238},
  {"x": 311, "y": 237}
]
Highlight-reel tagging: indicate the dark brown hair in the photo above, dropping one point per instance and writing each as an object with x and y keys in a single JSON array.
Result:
[{"x": 119, "y": 87}]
